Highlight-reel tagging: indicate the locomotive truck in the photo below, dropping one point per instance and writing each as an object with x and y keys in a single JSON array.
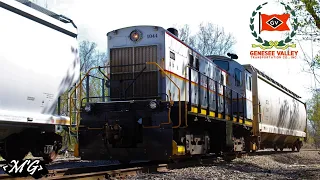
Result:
[
  {"x": 39, "y": 61},
  {"x": 167, "y": 101}
]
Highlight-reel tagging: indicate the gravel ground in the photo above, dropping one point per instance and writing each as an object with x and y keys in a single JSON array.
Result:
[
  {"x": 265, "y": 165},
  {"x": 298, "y": 165}
]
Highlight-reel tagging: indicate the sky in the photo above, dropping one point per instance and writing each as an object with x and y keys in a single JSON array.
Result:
[{"x": 95, "y": 18}]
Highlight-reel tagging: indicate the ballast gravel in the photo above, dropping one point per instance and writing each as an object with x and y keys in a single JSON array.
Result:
[{"x": 265, "y": 165}]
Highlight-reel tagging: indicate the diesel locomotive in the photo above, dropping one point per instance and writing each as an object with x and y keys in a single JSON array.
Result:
[{"x": 165, "y": 101}]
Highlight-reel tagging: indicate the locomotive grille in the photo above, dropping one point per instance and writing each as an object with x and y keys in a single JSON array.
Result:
[{"x": 124, "y": 68}]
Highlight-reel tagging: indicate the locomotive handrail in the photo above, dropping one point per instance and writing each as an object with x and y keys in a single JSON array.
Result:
[
  {"x": 185, "y": 98},
  {"x": 71, "y": 99},
  {"x": 169, "y": 118},
  {"x": 229, "y": 88},
  {"x": 214, "y": 80},
  {"x": 99, "y": 67},
  {"x": 226, "y": 88},
  {"x": 97, "y": 97}
]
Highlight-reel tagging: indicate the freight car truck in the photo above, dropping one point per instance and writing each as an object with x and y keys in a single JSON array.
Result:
[
  {"x": 38, "y": 62},
  {"x": 280, "y": 118}
]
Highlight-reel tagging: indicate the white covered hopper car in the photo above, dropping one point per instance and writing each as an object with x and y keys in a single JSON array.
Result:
[
  {"x": 38, "y": 62},
  {"x": 280, "y": 119}
]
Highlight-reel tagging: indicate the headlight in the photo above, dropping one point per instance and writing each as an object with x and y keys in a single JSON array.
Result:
[
  {"x": 87, "y": 108},
  {"x": 135, "y": 35},
  {"x": 153, "y": 104}
]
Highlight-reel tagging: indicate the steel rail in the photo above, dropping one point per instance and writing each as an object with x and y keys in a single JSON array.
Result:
[{"x": 122, "y": 171}]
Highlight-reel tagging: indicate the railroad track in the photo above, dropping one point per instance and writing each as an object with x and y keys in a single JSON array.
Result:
[
  {"x": 114, "y": 171},
  {"x": 99, "y": 172},
  {"x": 121, "y": 171}
]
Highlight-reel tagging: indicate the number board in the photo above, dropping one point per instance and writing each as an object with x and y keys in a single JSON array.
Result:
[{"x": 152, "y": 35}]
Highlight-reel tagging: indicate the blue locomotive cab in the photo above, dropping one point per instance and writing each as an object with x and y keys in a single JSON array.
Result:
[
  {"x": 222, "y": 64},
  {"x": 240, "y": 80}
]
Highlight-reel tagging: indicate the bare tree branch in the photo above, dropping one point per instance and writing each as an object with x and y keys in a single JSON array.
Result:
[
  {"x": 87, "y": 50},
  {"x": 210, "y": 39},
  {"x": 311, "y": 64}
]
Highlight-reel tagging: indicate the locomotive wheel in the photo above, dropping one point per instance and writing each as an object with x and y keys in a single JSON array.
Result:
[{"x": 275, "y": 148}]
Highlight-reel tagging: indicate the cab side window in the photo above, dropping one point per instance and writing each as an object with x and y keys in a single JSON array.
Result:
[
  {"x": 248, "y": 82},
  {"x": 190, "y": 59},
  {"x": 197, "y": 64},
  {"x": 237, "y": 77},
  {"x": 222, "y": 79}
]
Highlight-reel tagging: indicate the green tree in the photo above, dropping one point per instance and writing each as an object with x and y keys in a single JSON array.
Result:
[
  {"x": 313, "y": 106},
  {"x": 307, "y": 12},
  {"x": 89, "y": 57}
]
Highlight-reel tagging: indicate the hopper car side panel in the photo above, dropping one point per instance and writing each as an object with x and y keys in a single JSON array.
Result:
[
  {"x": 279, "y": 116},
  {"x": 39, "y": 62},
  {"x": 281, "y": 113}
]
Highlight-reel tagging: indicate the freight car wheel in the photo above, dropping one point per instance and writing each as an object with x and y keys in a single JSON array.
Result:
[
  {"x": 298, "y": 148},
  {"x": 229, "y": 157},
  {"x": 13, "y": 148},
  {"x": 49, "y": 158},
  {"x": 299, "y": 145},
  {"x": 275, "y": 148},
  {"x": 54, "y": 153}
]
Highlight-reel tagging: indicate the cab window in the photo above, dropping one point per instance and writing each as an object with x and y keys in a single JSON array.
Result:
[
  {"x": 222, "y": 64},
  {"x": 237, "y": 77},
  {"x": 197, "y": 64},
  {"x": 248, "y": 82},
  {"x": 190, "y": 59},
  {"x": 222, "y": 79}
]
